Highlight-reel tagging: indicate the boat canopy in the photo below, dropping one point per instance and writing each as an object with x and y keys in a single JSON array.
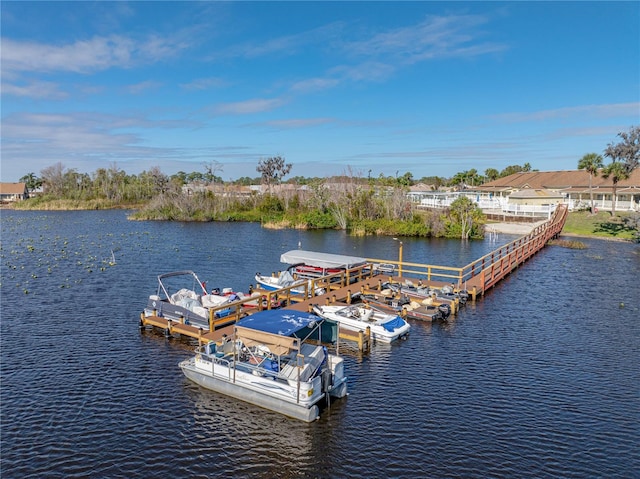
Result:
[
  {"x": 322, "y": 260},
  {"x": 277, "y": 344},
  {"x": 288, "y": 323}
]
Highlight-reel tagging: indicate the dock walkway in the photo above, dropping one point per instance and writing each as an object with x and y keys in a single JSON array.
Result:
[{"x": 477, "y": 278}]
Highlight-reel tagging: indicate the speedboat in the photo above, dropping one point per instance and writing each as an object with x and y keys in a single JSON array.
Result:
[
  {"x": 274, "y": 360},
  {"x": 181, "y": 296},
  {"x": 286, "y": 279},
  {"x": 357, "y": 317},
  {"x": 444, "y": 293},
  {"x": 403, "y": 305}
]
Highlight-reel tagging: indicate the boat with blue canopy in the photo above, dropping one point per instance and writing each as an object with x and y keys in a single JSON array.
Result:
[{"x": 274, "y": 359}]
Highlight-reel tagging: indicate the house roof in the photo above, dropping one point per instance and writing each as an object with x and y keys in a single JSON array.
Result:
[
  {"x": 571, "y": 180},
  {"x": 12, "y": 188},
  {"x": 535, "y": 193}
]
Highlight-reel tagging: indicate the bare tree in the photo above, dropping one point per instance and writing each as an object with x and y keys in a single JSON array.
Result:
[
  {"x": 211, "y": 169},
  {"x": 273, "y": 170},
  {"x": 53, "y": 179},
  {"x": 627, "y": 151}
]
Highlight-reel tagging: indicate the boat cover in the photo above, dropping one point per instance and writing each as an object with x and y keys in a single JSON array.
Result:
[
  {"x": 321, "y": 260},
  {"x": 394, "y": 324},
  {"x": 284, "y": 322},
  {"x": 287, "y": 322}
]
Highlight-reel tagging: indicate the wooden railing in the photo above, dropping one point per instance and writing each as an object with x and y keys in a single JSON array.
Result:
[{"x": 486, "y": 271}]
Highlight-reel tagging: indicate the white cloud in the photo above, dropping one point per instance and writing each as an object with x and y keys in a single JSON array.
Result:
[
  {"x": 314, "y": 84},
  {"x": 288, "y": 44},
  {"x": 249, "y": 106},
  {"x": 86, "y": 56},
  {"x": 35, "y": 89},
  {"x": 298, "y": 122},
  {"x": 143, "y": 86},
  {"x": 435, "y": 37},
  {"x": 203, "y": 83},
  {"x": 612, "y": 110}
]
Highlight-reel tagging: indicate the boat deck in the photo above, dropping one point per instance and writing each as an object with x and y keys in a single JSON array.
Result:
[
  {"x": 175, "y": 327},
  {"x": 373, "y": 285}
]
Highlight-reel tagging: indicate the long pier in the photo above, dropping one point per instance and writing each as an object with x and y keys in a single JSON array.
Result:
[
  {"x": 476, "y": 278},
  {"x": 482, "y": 274}
]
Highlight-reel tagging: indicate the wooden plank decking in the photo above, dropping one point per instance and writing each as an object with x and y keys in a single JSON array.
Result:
[{"x": 476, "y": 277}]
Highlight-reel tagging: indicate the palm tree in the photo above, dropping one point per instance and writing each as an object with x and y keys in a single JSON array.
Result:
[
  {"x": 617, "y": 171},
  {"x": 591, "y": 162},
  {"x": 31, "y": 181}
]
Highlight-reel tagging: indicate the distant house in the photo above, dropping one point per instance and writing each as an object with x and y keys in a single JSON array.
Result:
[
  {"x": 12, "y": 192},
  {"x": 573, "y": 185},
  {"x": 537, "y": 193},
  {"x": 536, "y": 196}
]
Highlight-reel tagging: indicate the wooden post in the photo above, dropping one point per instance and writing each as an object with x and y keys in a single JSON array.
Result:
[{"x": 368, "y": 336}]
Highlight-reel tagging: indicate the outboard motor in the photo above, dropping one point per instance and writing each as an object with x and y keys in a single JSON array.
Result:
[
  {"x": 464, "y": 296},
  {"x": 404, "y": 300},
  {"x": 445, "y": 309}
]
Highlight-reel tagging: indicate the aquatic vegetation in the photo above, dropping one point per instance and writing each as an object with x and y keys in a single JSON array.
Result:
[
  {"x": 571, "y": 244},
  {"x": 33, "y": 255}
]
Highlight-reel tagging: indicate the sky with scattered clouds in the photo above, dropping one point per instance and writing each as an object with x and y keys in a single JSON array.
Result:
[{"x": 364, "y": 88}]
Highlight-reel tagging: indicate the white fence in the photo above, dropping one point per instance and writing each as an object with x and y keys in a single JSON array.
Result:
[{"x": 502, "y": 205}]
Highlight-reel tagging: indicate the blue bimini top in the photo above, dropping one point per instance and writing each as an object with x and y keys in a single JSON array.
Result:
[{"x": 287, "y": 322}]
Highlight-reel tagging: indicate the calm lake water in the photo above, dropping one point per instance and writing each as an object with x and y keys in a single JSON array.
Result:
[{"x": 538, "y": 379}]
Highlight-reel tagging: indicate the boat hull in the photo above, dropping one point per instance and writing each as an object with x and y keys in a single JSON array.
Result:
[
  {"x": 252, "y": 386},
  {"x": 235, "y": 390},
  {"x": 378, "y": 331}
]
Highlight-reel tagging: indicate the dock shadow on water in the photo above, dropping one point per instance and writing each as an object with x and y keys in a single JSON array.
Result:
[{"x": 536, "y": 379}]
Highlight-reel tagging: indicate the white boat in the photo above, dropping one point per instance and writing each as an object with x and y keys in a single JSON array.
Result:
[
  {"x": 357, "y": 317},
  {"x": 181, "y": 296},
  {"x": 312, "y": 264},
  {"x": 286, "y": 280},
  {"x": 272, "y": 360}
]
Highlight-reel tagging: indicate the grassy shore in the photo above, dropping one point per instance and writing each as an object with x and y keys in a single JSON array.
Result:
[
  {"x": 600, "y": 225},
  {"x": 622, "y": 227}
]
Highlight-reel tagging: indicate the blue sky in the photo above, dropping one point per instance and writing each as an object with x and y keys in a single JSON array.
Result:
[{"x": 363, "y": 88}]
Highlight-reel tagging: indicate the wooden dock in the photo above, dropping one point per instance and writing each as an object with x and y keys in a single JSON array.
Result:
[{"x": 477, "y": 278}]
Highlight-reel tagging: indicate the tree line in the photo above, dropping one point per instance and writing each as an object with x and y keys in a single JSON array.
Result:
[
  {"x": 114, "y": 184},
  {"x": 362, "y": 205},
  {"x": 624, "y": 157}
]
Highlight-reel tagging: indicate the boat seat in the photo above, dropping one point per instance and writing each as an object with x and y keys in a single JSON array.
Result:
[
  {"x": 213, "y": 301},
  {"x": 289, "y": 371},
  {"x": 313, "y": 357}
]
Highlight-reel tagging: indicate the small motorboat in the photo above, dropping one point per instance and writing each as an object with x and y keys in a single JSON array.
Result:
[
  {"x": 312, "y": 264},
  {"x": 445, "y": 293},
  {"x": 181, "y": 296},
  {"x": 384, "y": 327},
  {"x": 405, "y": 306},
  {"x": 301, "y": 287}
]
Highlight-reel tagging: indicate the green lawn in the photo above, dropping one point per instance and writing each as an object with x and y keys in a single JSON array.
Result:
[{"x": 602, "y": 225}]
